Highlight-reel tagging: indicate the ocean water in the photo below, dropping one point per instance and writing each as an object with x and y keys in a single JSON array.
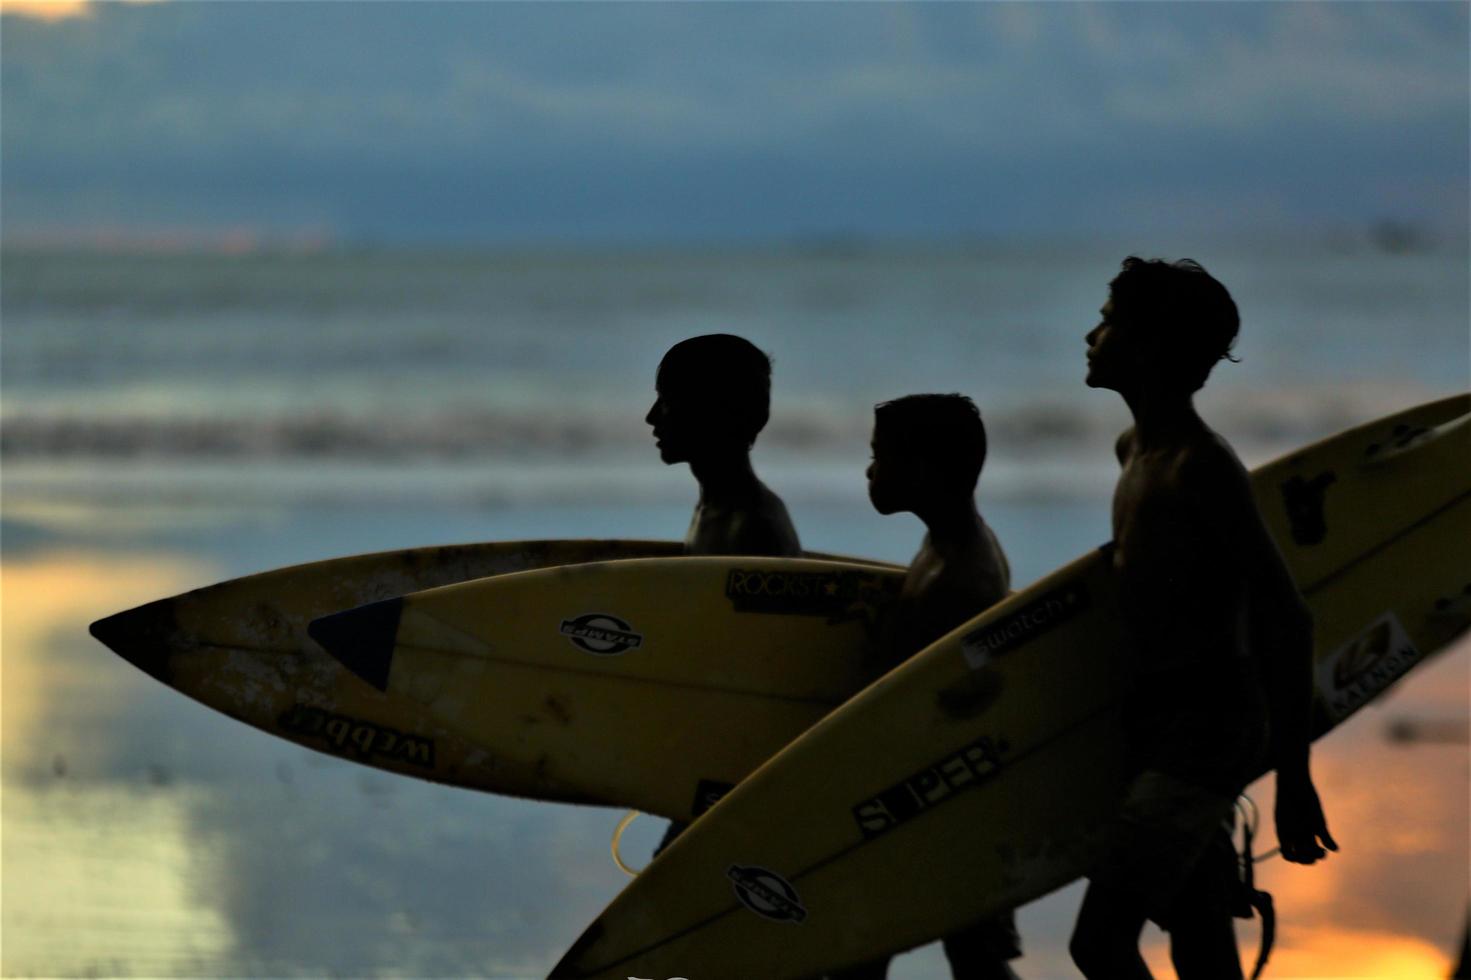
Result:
[
  {"x": 543, "y": 359},
  {"x": 167, "y": 421}
]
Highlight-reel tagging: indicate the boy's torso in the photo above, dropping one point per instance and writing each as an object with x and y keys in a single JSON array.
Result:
[{"x": 1197, "y": 710}]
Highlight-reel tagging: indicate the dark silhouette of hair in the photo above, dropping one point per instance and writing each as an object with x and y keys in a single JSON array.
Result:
[
  {"x": 1182, "y": 309},
  {"x": 945, "y": 430},
  {"x": 725, "y": 378}
]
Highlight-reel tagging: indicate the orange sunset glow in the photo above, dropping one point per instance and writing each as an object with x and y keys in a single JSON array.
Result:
[
  {"x": 54, "y": 9},
  {"x": 61, "y": 594},
  {"x": 46, "y": 9}
]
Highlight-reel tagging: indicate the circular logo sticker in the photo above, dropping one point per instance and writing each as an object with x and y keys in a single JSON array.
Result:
[
  {"x": 766, "y": 893},
  {"x": 601, "y": 634},
  {"x": 1363, "y": 655}
]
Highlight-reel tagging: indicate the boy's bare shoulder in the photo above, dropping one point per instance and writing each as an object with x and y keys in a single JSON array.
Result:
[
  {"x": 975, "y": 584},
  {"x": 1123, "y": 447},
  {"x": 759, "y": 526},
  {"x": 766, "y": 529},
  {"x": 943, "y": 604},
  {"x": 1209, "y": 463},
  {"x": 999, "y": 560},
  {"x": 1208, "y": 473}
]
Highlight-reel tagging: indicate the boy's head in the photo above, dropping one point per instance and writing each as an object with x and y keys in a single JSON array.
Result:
[
  {"x": 925, "y": 448},
  {"x": 1165, "y": 323},
  {"x": 714, "y": 396}
]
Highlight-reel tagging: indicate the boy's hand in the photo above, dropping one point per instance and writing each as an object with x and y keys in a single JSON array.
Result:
[{"x": 1300, "y": 821}]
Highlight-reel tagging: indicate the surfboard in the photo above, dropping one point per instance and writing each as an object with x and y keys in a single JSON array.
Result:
[
  {"x": 897, "y": 818},
  {"x": 654, "y": 684},
  {"x": 241, "y": 647}
]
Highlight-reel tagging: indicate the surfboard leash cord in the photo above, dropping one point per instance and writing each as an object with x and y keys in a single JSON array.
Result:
[
  {"x": 1251, "y": 898},
  {"x": 623, "y": 823},
  {"x": 1253, "y": 820}
]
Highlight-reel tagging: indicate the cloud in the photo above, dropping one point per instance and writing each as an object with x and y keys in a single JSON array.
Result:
[
  {"x": 1305, "y": 63},
  {"x": 870, "y": 117}
]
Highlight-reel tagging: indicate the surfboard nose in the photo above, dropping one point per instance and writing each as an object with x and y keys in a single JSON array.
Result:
[
  {"x": 361, "y": 639},
  {"x": 141, "y": 636}
]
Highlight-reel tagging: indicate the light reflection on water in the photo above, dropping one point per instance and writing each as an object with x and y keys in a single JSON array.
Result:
[
  {"x": 101, "y": 876},
  {"x": 146, "y": 835},
  {"x": 106, "y": 880}
]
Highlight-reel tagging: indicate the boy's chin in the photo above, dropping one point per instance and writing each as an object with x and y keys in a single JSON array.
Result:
[{"x": 884, "y": 507}]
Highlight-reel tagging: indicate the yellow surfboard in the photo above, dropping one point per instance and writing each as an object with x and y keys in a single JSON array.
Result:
[
  {"x": 895, "y": 820},
  {"x": 648, "y": 683},
  {"x": 241, "y": 647}
]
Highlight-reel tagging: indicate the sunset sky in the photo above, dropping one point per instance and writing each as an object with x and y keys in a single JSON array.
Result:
[{"x": 612, "y": 122}]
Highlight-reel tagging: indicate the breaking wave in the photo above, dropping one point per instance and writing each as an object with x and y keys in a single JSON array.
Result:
[{"x": 1255, "y": 421}]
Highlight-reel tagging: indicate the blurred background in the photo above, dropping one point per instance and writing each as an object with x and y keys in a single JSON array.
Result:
[{"x": 281, "y": 282}]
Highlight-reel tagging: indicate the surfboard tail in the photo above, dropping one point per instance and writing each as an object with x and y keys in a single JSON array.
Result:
[
  {"x": 141, "y": 636},
  {"x": 362, "y": 639}
]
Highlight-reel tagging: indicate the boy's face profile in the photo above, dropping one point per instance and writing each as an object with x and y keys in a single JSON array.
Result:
[
  {"x": 711, "y": 399},
  {"x": 889, "y": 474},
  {"x": 676, "y": 424},
  {"x": 687, "y": 424},
  {"x": 1114, "y": 354}
]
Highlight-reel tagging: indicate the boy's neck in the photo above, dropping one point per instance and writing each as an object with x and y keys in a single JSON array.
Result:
[
  {"x": 725, "y": 479},
  {"x": 953, "y": 525},
  {"x": 1162, "y": 417}
]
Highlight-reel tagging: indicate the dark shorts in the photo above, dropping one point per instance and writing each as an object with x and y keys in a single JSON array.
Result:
[{"x": 1169, "y": 848}]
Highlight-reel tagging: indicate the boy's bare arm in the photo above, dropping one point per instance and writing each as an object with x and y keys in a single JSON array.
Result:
[{"x": 1281, "y": 633}]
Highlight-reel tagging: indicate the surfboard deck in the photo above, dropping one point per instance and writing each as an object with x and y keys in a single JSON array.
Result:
[
  {"x": 655, "y": 684},
  {"x": 894, "y": 821},
  {"x": 241, "y": 647}
]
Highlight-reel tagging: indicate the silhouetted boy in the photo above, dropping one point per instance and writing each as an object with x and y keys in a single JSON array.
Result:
[
  {"x": 927, "y": 455},
  {"x": 714, "y": 396},
  {"x": 1222, "y": 637}
]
